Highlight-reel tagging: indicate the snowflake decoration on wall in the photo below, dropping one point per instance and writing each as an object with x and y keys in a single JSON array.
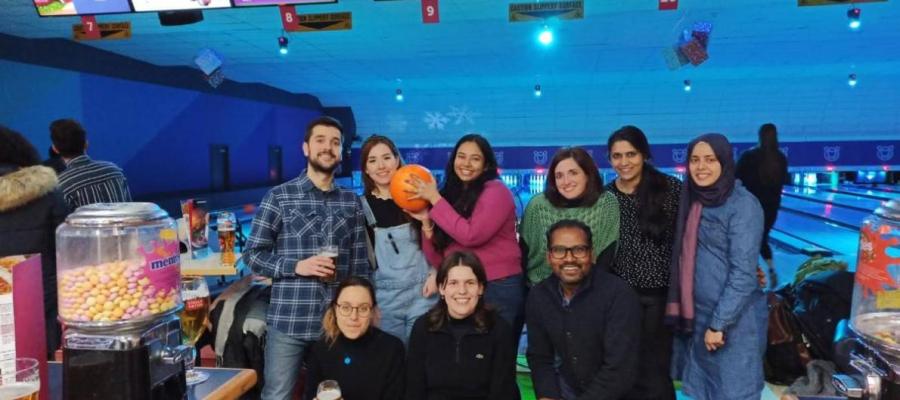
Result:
[
  {"x": 461, "y": 114},
  {"x": 435, "y": 120}
]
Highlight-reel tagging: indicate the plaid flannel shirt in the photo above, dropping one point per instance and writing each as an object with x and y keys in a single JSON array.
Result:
[{"x": 292, "y": 221}]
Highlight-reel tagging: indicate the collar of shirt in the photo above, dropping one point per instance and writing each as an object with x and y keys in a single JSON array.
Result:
[
  {"x": 307, "y": 185},
  {"x": 82, "y": 159}
]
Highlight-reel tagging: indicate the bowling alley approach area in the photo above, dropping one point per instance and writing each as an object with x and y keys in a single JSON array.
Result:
[{"x": 449, "y": 200}]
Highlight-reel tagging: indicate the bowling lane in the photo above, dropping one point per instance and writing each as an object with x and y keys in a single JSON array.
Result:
[
  {"x": 860, "y": 203},
  {"x": 820, "y": 232},
  {"x": 836, "y": 214},
  {"x": 858, "y": 191},
  {"x": 891, "y": 190}
]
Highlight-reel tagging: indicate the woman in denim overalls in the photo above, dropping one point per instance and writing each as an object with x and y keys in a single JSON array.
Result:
[{"x": 394, "y": 250}]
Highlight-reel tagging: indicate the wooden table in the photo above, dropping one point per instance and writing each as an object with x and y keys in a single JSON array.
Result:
[{"x": 223, "y": 383}]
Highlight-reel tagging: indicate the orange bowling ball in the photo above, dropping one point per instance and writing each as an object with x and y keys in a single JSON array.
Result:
[{"x": 399, "y": 187}]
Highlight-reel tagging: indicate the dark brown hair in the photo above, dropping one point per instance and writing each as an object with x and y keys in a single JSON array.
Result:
[
  {"x": 69, "y": 137},
  {"x": 15, "y": 149},
  {"x": 323, "y": 120},
  {"x": 330, "y": 330},
  {"x": 483, "y": 316},
  {"x": 592, "y": 190}
]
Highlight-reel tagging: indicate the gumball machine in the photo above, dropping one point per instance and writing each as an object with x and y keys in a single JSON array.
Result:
[
  {"x": 118, "y": 282},
  {"x": 874, "y": 347}
]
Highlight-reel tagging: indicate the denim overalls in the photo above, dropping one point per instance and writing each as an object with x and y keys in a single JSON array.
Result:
[{"x": 401, "y": 272}]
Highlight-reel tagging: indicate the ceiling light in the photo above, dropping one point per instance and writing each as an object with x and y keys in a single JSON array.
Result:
[
  {"x": 687, "y": 85},
  {"x": 853, "y": 15},
  {"x": 546, "y": 36},
  {"x": 537, "y": 90},
  {"x": 283, "y": 44},
  {"x": 398, "y": 95},
  {"x": 851, "y": 80}
]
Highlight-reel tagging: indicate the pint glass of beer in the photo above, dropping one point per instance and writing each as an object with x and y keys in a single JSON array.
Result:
[
  {"x": 225, "y": 228},
  {"x": 195, "y": 295},
  {"x": 24, "y": 383},
  {"x": 330, "y": 251},
  {"x": 328, "y": 390}
]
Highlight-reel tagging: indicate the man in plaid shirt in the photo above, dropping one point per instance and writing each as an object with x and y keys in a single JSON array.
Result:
[{"x": 293, "y": 220}]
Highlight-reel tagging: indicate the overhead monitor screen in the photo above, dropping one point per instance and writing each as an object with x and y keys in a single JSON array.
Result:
[
  {"x": 173, "y": 5},
  {"x": 50, "y": 8},
  {"x": 244, "y": 3}
]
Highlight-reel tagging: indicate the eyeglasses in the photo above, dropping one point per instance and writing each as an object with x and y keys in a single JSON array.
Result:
[
  {"x": 559, "y": 252},
  {"x": 362, "y": 310}
]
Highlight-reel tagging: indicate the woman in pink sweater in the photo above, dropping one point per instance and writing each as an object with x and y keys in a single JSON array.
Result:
[{"x": 475, "y": 211}]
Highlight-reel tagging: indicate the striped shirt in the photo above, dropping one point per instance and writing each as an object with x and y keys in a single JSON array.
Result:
[
  {"x": 86, "y": 181},
  {"x": 292, "y": 221}
]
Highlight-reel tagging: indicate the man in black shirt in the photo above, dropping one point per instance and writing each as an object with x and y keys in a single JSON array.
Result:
[{"x": 583, "y": 322}]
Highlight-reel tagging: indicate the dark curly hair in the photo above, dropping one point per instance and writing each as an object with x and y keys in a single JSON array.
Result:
[{"x": 15, "y": 149}]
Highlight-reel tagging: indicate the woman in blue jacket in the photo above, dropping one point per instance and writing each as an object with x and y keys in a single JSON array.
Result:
[{"x": 714, "y": 294}]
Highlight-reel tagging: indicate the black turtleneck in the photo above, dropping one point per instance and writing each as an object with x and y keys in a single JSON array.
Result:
[{"x": 368, "y": 368}]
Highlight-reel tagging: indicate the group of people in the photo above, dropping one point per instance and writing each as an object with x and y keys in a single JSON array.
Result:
[
  {"x": 36, "y": 197},
  {"x": 609, "y": 280}
]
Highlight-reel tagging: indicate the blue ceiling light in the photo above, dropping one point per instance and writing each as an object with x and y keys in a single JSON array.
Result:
[
  {"x": 851, "y": 80},
  {"x": 546, "y": 36},
  {"x": 687, "y": 85},
  {"x": 537, "y": 90},
  {"x": 283, "y": 44},
  {"x": 853, "y": 15},
  {"x": 398, "y": 95}
]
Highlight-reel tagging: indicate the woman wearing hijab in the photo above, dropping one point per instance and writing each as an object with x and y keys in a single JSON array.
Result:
[{"x": 714, "y": 295}]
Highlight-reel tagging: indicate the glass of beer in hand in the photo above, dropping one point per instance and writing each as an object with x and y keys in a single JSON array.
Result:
[
  {"x": 24, "y": 383},
  {"x": 330, "y": 251},
  {"x": 195, "y": 295}
]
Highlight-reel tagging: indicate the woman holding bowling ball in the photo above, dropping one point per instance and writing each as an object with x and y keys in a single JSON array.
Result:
[
  {"x": 401, "y": 270},
  {"x": 474, "y": 211}
]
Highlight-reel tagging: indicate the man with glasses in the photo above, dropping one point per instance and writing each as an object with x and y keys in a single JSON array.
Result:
[{"x": 583, "y": 322}]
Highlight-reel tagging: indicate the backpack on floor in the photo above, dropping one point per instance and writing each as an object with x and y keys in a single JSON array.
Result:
[
  {"x": 820, "y": 302},
  {"x": 787, "y": 351}
]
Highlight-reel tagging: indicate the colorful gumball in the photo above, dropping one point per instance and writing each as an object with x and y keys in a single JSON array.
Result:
[{"x": 399, "y": 187}]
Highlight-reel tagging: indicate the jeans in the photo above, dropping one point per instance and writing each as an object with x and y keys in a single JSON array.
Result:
[
  {"x": 284, "y": 356},
  {"x": 507, "y": 295}
]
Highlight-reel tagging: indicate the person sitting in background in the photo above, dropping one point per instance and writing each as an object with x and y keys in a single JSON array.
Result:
[
  {"x": 574, "y": 191},
  {"x": 584, "y": 324},
  {"x": 763, "y": 170},
  {"x": 367, "y": 362},
  {"x": 31, "y": 207},
  {"x": 460, "y": 348},
  {"x": 85, "y": 181}
]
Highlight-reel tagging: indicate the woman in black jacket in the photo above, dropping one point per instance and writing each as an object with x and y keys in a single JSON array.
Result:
[
  {"x": 366, "y": 362},
  {"x": 31, "y": 207},
  {"x": 460, "y": 350}
]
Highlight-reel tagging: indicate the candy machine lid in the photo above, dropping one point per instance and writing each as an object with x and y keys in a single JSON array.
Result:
[
  {"x": 881, "y": 330},
  {"x": 101, "y": 214}
]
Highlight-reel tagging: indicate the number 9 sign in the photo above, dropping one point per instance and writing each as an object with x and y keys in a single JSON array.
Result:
[{"x": 430, "y": 13}]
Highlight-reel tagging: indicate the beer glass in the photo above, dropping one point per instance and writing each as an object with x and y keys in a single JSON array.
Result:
[
  {"x": 195, "y": 295},
  {"x": 328, "y": 390},
  {"x": 25, "y": 384},
  {"x": 331, "y": 251},
  {"x": 225, "y": 223}
]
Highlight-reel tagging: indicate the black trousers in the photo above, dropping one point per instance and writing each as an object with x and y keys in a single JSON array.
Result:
[{"x": 653, "y": 380}]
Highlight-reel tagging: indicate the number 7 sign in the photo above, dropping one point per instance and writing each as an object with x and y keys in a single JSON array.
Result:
[
  {"x": 89, "y": 27},
  {"x": 430, "y": 13}
]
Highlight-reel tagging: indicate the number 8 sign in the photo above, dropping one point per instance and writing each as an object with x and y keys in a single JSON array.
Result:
[{"x": 430, "y": 13}]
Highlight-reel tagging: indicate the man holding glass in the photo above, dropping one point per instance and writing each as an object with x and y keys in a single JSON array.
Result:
[
  {"x": 583, "y": 322},
  {"x": 307, "y": 235}
]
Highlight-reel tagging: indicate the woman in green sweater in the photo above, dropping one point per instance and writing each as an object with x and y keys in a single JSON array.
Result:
[{"x": 574, "y": 191}]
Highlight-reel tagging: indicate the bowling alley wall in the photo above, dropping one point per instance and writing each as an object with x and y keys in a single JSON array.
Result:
[{"x": 159, "y": 123}]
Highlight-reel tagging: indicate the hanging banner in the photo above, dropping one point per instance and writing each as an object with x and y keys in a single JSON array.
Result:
[
  {"x": 91, "y": 30},
  {"x": 668, "y": 4},
  {"x": 116, "y": 30},
  {"x": 288, "y": 17},
  {"x": 318, "y": 22},
  {"x": 430, "y": 13},
  {"x": 520, "y": 12}
]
